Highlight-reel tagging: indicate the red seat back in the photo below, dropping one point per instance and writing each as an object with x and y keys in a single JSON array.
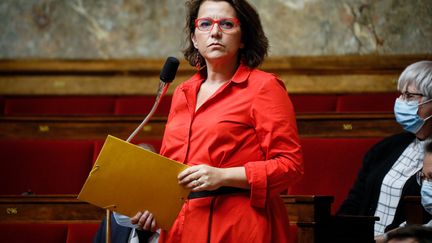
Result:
[
  {"x": 141, "y": 105},
  {"x": 59, "y": 105},
  {"x": 374, "y": 102},
  {"x": 331, "y": 166},
  {"x": 44, "y": 166},
  {"x": 314, "y": 102},
  {"x": 81, "y": 233},
  {"x": 33, "y": 232}
]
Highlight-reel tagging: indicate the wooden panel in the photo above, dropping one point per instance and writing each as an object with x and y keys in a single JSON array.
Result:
[
  {"x": 307, "y": 208},
  {"x": 308, "y": 212},
  {"x": 348, "y": 125},
  {"x": 147, "y": 85},
  {"x": 313, "y": 125},
  {"x": 305, "y": 211},
  {"x": 309, "y": 74},
  {"x": 64, "y": 208},
  {"x": 83, "y": 85},
  {"x": 340, "y": 83}
]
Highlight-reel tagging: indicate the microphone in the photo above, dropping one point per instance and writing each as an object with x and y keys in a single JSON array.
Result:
[
  {"x": 169, "y": 70},
  {"x": 166, "y": 76}
]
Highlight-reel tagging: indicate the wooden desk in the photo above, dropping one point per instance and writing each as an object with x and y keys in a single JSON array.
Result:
[
  {"x": 305, "y": 74},
  {"x": 305, "y": 211},
  {"x": 89, "y": 127},
  {"x": 48, "y": 208},
  {"x": 310, "y": 213},
  {"x": 317, "y": 225}
]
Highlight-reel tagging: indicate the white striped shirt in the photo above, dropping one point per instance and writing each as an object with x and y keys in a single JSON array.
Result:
[{"x": 410, "y": 161}]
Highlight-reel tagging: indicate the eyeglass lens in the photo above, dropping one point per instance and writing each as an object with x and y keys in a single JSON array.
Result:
[
  {"x": 411, "y": 96},
  {"x": 206, "y": 24}
]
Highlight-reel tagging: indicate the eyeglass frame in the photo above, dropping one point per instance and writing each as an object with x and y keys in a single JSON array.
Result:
[
  {"x": 408, "y": 96},
  {"x": 217, "y": 21}
]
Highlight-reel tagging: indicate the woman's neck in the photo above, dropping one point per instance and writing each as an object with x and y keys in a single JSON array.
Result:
[{"x": 221, "y": 72}]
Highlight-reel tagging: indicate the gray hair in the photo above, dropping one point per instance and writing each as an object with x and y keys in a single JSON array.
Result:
[{"x": 418, "y": 74}]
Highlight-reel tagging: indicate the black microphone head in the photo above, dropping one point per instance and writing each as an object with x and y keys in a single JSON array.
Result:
[{"x": 169, "y": 70}]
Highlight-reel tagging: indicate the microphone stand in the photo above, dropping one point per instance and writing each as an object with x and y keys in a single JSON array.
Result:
[{"x": 163, "y": 87}]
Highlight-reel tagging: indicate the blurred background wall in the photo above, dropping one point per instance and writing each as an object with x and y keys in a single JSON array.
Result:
[{"x": 116, "y": 29}]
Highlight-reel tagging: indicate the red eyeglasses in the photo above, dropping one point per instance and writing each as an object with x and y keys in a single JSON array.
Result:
[{"x": 225, "y": 24}]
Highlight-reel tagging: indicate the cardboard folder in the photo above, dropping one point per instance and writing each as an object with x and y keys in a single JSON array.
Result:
[{"x": 128, "y": 179}]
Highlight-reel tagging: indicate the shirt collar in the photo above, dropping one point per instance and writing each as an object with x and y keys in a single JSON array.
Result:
[
  {"x": 241, "y": 75},
  {"x": 419, "y": 144}
]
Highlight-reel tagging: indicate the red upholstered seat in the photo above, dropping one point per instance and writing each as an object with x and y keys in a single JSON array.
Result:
[
  {"x": 33, "y": 233},
  {"x": 81, "y": 233},
  {"x": 59, "y": 105},
  {"x": 141, "y": 105},
  {"x": 372, "y": 102},
  {"x": 314, "y": 102},
  {"x": 44, "y": 166},
  {"x": 2, "y": 104},
  {"x": 331, "y": 166},
  {"x": 293, "y": 229}
]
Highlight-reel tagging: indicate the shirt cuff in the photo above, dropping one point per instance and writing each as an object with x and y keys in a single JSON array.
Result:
[{"x": 257, "y": 179}]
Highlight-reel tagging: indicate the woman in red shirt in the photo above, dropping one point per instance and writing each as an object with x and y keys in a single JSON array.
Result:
[{"x": 235, "y": 127}]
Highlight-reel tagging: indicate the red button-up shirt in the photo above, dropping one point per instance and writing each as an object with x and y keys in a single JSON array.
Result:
[{"x": 249, "y": 122}]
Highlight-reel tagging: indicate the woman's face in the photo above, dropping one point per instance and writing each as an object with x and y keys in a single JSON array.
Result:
[
  {"x": 216, "y": 45},
  {"x": 424, "y": 111}
]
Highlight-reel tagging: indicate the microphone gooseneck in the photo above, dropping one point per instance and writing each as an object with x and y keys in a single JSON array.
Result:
[{"x": 167, "y": 75}]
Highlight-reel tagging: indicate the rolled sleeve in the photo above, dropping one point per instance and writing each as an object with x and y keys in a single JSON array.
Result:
[{"x": 257, "y": 178}]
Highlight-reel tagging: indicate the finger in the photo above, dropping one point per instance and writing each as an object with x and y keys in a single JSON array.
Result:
[
  {"x": 148, "y": 223},
  {"x": 188, "y": 172},
  {"x": 190, "y": 178},
  {"x": 192, "y": 184},
  {"x": 143, "y": 218},
  {"x": 135, "y": 219},
  {"x": 199, "y": 186},
  {"x": 153, "y": 225},
  {"x": 185, "y": 173}
]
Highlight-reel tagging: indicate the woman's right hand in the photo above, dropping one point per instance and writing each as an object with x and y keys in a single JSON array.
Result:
[{"x": 145, "y": 221}]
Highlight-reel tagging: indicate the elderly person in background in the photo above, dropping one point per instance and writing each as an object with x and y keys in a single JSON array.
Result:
[
  {"x": 389, "y": 168},
  {"x": 425, "y": 180},
  {"x": 410, "y": 234},
  {"x": 416, "y": 233}
]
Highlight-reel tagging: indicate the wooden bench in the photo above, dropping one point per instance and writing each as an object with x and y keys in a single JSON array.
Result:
[
  {"x": 311, "y": 215},
  {"x": 303, "y": 211},
  {"x": 302, "y": 75},
  {"x": 98, "y": 127},
  {"x": 91, "y": 105}
]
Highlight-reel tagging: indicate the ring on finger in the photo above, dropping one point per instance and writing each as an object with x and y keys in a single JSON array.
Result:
[{"x": 197, "y": 183}]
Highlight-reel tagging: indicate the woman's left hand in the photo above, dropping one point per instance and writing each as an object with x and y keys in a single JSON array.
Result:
[
  {"x": 201, "y": 177},
  {"x": 145, "y": 221}
]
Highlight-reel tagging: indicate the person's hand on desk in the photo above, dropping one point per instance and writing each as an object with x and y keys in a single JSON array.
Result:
[
  {"x": 145, "y": 221},
  {"x": 205, "y": 177}
]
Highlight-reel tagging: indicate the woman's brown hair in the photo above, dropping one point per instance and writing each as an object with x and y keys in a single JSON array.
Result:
[{"x": 253, "y": 37}]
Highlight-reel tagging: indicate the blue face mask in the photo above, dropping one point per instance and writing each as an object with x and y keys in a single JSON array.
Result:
[
  {"x": 406, "y": 115},
  {"x": 426, "y": 196}
]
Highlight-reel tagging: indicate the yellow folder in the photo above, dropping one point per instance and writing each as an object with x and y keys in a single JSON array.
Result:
[{"x": 128, "y": 179}]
